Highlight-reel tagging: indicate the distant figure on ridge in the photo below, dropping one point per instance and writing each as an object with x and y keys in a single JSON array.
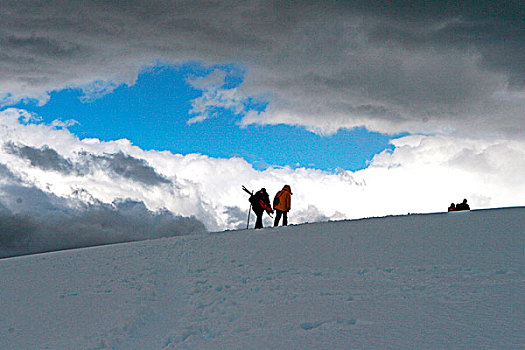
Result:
[
  {"x": 260, "y": 202},
  {"x": 282, "y": 204},
  {"x": 452, "y": 207},
  {"x": 462, "y": 206}
]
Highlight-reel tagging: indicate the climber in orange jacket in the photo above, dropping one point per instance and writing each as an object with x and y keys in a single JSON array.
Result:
[{"x": 282, "y": 205}]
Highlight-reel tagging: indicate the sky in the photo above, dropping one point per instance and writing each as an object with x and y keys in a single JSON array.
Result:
[
  {"x": 158, "y": 112},
  {"x": 366, "y": 108}
]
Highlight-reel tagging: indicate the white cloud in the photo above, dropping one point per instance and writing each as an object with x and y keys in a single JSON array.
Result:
[
  {"x": 97, "y": 89},
  {"x": 422, "y": 174},
  {"x": 215, "y": 95}
]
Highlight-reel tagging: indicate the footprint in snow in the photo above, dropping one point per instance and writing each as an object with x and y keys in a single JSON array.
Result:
[{"x": 308, "y": 326}]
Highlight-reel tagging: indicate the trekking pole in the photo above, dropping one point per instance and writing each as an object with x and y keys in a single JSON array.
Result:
[
  {"x": 249, "y": 213},
  {"x": 250, "y": 209}
]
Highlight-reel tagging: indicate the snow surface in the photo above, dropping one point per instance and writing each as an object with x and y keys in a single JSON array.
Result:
[{"x": 453, "y": 280}]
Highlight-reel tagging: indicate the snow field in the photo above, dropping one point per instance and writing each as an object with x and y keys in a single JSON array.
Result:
[{"x": 419, "y": 281}]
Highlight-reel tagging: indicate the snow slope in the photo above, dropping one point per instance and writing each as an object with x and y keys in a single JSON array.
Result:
[{"x": 452, "y": 280}]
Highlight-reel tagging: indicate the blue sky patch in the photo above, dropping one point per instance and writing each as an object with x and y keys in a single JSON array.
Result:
[{"x": 154, "y": 114}]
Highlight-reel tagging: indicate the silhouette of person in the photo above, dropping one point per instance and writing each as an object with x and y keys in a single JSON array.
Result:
[
  {"x": 260, "y": 202},
  {"x": 282, "y": 205},
  {"x": 452, "y": 207},
  {"x": 462, "y": 206}
]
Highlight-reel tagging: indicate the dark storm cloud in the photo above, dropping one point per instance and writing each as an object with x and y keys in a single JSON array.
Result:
[
  {"x": 237, "y": 218},
  {"x": 430, "y": 64},
  {"x": 6, "y": 174},
  {"x": 40, "y": 46},
  {"x": 118, "y": 164},
  {"x": 32, "y": 221},
  {"x": 30, "y": 200},
  {"x": 15, "y": 230},
  {"x": 493, "y": 28},
  {"x": 128, "y": 167},
  {"x": 44, "y": 158}
]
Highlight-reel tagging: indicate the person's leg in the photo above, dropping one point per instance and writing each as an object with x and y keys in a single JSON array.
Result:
[
  {"x": 258, "y": 222},
  {"x": 278, "y": 214},
  {"x": 285, "y": 218}
]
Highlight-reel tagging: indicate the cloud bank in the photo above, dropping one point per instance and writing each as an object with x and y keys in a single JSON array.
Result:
[
  {"x": 48, "y": 223},
  {"x": 58, "y": 190},
  {"x": 455, "y": 69}
]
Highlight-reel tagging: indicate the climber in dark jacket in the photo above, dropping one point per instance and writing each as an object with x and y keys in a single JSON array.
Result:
[
  {"x": 260, "y": 203},
  {"x": 462, "y": 206}
]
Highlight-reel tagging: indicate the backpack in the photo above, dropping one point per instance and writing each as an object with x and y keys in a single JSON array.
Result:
[{"x": 276, "y": 199}]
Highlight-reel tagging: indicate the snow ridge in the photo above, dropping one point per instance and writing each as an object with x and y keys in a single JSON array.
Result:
[{"x": 451, "y": 280}]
